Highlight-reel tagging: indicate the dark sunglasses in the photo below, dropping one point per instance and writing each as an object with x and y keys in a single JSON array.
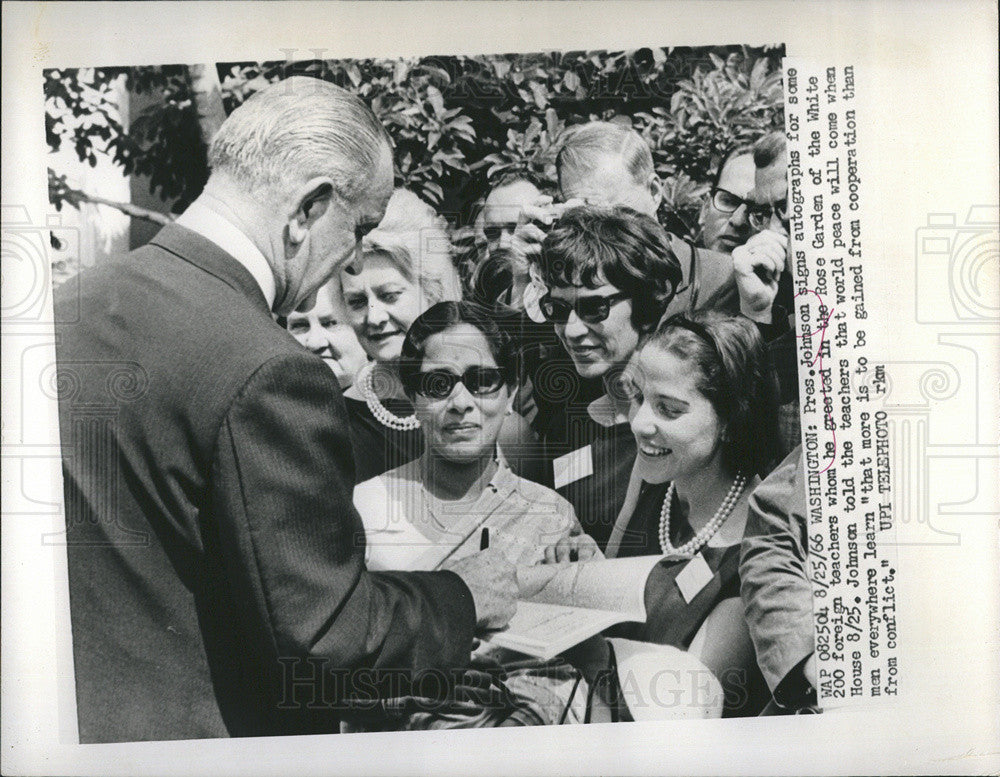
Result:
[
  {"x": 759, "y": 216},
  {"x": 590, "y": 310},
  {"x": 438, "y": 384},
  {"x": 725, "y": 201}
]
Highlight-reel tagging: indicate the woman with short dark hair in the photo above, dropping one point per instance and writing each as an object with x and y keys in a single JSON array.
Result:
[
  {"x": 457, "y": 366},
  {"x": 610, "y": 275},
  {"x": 593, "y": 245}
]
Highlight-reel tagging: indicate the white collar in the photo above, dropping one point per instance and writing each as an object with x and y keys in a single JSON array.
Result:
[
  {"x": 211, "y": 225},
  {"x": 602, "y": 411}
]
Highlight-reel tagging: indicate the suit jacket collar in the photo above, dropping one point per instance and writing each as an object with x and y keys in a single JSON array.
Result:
[{"x": 207, "y": 256}]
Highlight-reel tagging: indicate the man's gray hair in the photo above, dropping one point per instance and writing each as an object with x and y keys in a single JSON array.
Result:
[
  {"x": 299, "y": 128},
  {"x": 769, "y": 149},
  {"x": 585, "y": 144}
]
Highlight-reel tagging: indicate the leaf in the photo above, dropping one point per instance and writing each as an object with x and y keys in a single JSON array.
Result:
[
  {"x": 439, "y": 73},
  {"x": 435, "y": 98},
  {"x": 400, "y": 71},
  {"x": 531, "y": 134},
  {"x": 497, "y": 169},
  {"x": 758, "y": 74},
  {"x": 552, "y": 123},
  {"x": 433, "y": 192},
  {"x": 571, "y": 80},
  {"x": 540, "y": 93}
]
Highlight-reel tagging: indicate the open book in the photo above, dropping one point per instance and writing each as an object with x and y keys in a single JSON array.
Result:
[{"x": 561, "y": 605}]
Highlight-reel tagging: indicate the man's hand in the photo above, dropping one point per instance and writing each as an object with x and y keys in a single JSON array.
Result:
[
  {"x": 533, "y": 223},
  {"x": 580, "y": 547},
  {"x": 493, "y": 582},
  {"x": 758, "y": 265}
]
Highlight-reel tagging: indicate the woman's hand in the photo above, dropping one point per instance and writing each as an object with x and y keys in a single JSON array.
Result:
[{"x": 579, "y": 547}]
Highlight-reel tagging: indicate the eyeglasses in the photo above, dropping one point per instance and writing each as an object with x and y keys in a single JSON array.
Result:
[
  {"x": 725, "y": 201},
  {"x": 590, "y": 310},
  {"x": 438, "y": 384},
  {"x": 494, "y": 232},
  {"x": 759, "y": 215}
]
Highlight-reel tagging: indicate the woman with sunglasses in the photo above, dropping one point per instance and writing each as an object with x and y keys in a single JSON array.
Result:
[
  {"x": 704, "y": 416},
  {"x": 458, "y": 368},
  {"x": 610, "y": 274},
  {"x": 405, "y": 267}
]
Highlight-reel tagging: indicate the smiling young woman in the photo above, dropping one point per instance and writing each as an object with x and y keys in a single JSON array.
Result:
[{"x": 704, "y": 415}]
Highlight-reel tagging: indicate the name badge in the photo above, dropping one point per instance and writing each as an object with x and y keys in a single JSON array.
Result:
[
  {"x": 695, "y": 576},
  {"x": 573, "y": 466}
]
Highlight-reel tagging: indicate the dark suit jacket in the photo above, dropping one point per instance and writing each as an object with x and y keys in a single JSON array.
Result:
[
  {"x": 774, "y": 569},
  {"x": 217, "y": 582}
]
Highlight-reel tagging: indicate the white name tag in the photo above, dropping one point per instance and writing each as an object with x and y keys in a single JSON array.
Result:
[
  {"x": 573, "y": 466},
  {"x": 695, "y": 576}
]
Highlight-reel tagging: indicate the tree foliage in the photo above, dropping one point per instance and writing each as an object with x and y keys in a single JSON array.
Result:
[
  {"x": 457, "y": 122},
  {"x": 163, "y": 142}
]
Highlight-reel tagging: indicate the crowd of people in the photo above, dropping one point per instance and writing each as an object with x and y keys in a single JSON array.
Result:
[{"x": 596, "y": 387}]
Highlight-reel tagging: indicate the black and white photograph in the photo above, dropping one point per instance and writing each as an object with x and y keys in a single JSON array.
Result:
[
  {"x": 398, "y": 397},
  {"x": 449, "y": 392}
]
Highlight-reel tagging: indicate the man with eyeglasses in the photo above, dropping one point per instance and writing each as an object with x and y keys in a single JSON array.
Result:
[
  {"x": 760, "y": 264},
  {"x": 763, "y": 274},
  {"x": 723, "y": 217},
  {"x": 610, "y": 274}
]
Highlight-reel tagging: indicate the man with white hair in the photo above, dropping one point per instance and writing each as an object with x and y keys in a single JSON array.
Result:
[
  {"x": 610, "y": 164},
  {"x": 216, "y": 573}
]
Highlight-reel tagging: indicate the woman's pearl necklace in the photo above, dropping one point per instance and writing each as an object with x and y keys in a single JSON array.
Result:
[
  {"x": 693, "y": 545},
  {"x": 366, "y": 387}
]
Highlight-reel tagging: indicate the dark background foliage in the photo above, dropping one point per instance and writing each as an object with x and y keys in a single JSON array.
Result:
[{"x": 458, "y": 122}]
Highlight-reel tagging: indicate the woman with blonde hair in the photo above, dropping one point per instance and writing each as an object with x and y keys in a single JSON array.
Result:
[{"x": 405, "y": 267}]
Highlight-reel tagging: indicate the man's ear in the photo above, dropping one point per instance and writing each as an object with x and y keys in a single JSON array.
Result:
[
  {"x": 656, "y": 189},
  {"x": 703, "y": 212},
  {"x": 310, "y": 202},
  {"x": 705, "y": 204}
]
